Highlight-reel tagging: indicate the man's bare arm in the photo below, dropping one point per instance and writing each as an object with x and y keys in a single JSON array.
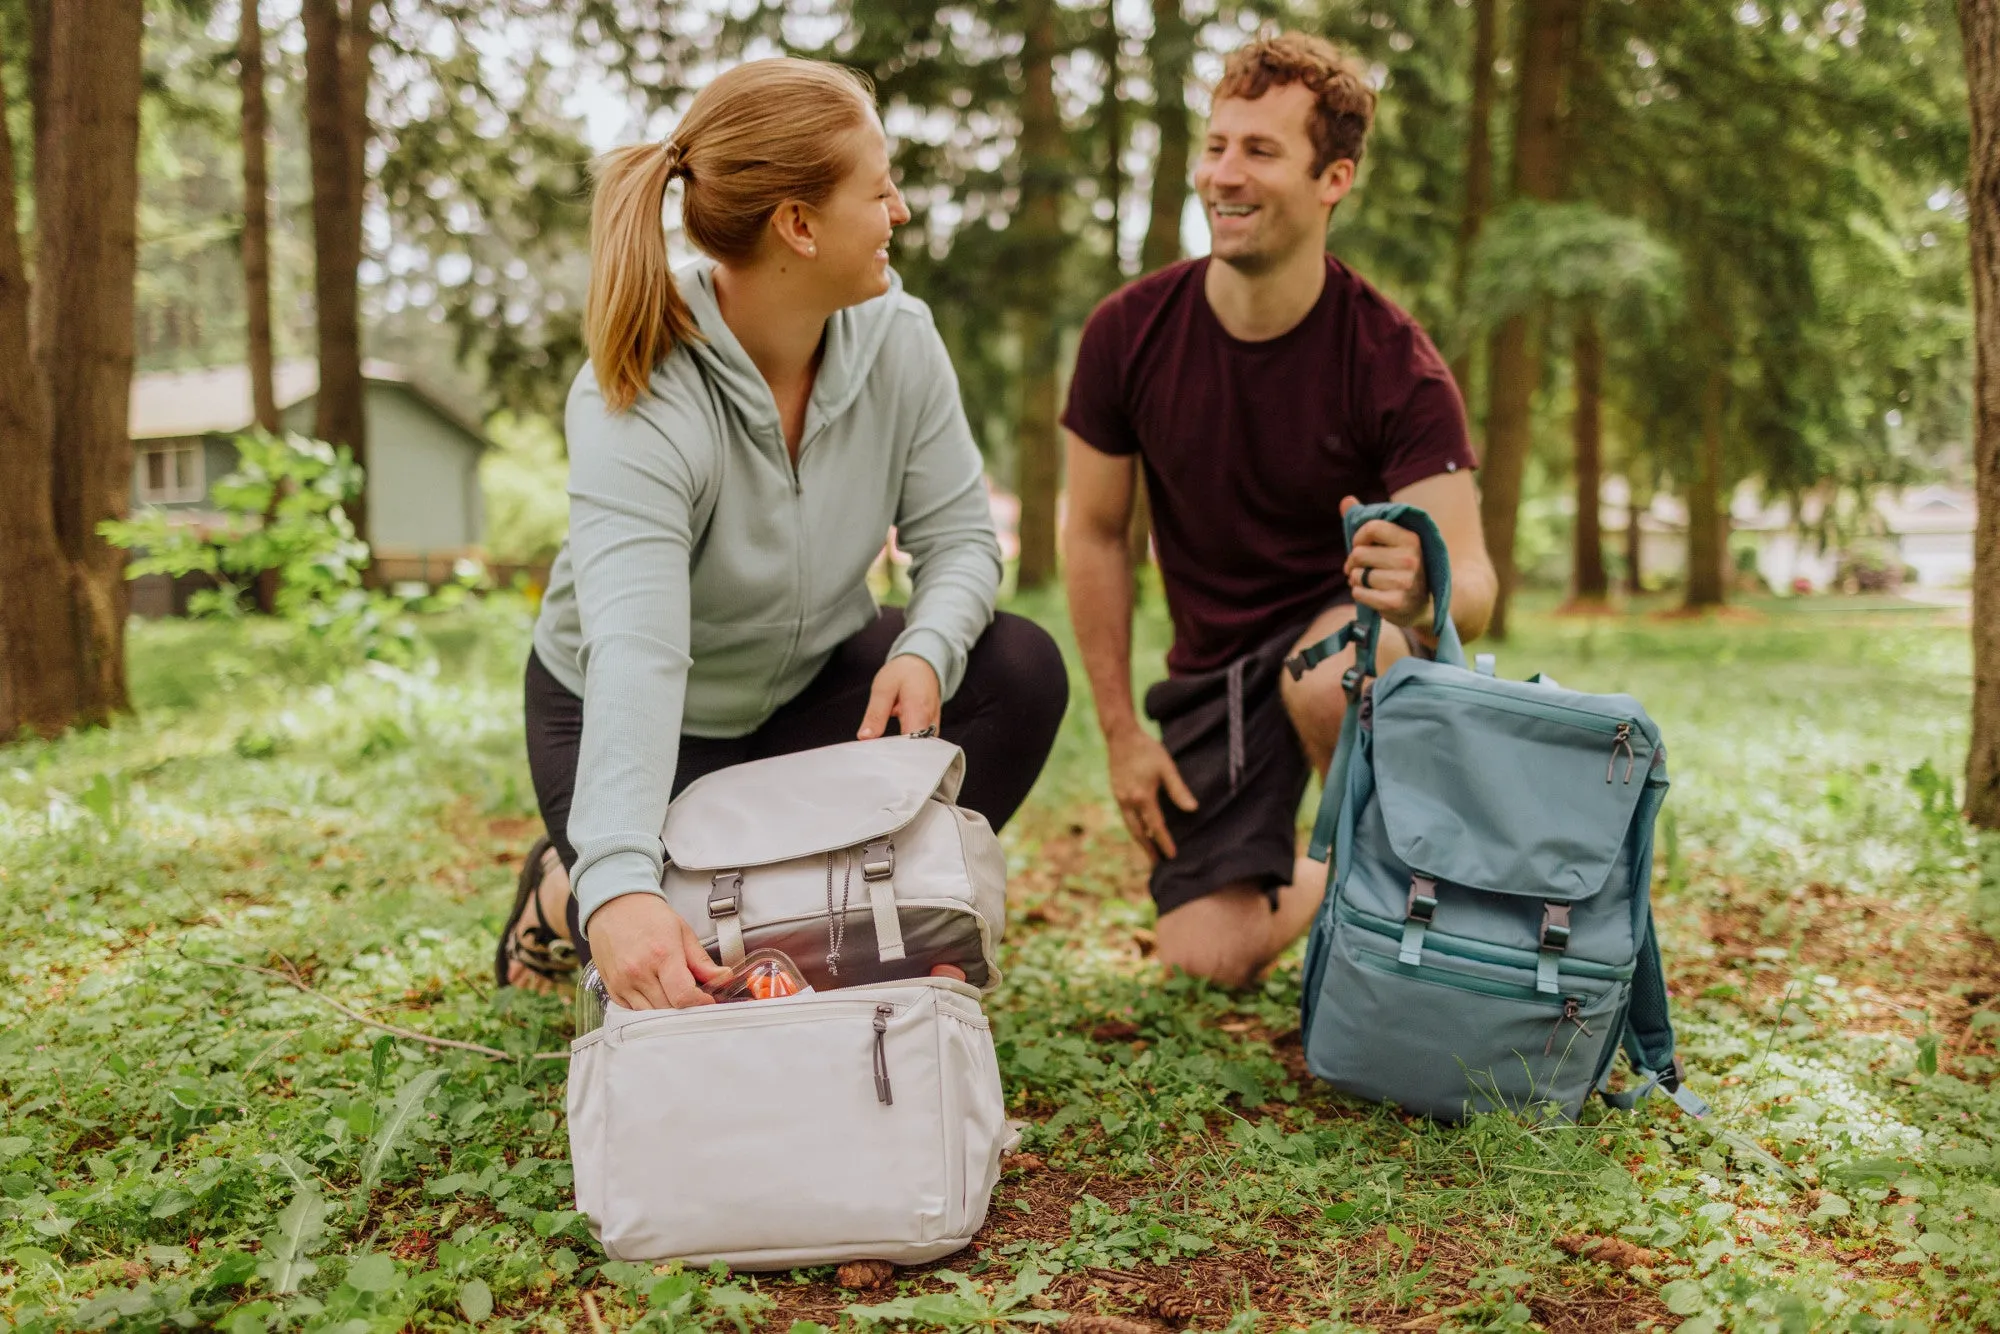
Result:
[
  {"x": 1098, "y": 577},
  {"x": 1453, "y": 504}
]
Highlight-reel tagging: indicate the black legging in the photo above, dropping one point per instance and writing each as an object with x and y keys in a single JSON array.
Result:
[{"x": 1004, "y": 716}]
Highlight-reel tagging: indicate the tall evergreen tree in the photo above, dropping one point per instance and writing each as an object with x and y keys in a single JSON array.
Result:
[
  {"x": 1170, "y": 56},
  {"x": 339, "y": 54},
  {"x": 38, "y": 623},
  {"x": 1039, "y": 246},
  {"x": 256, "y": 217},
  {"x": 86, "y": 246},
  {"x": 1979, "y": 21},
  {"x": 1513, "y": 361},
  {"x": 1478, "y": 196}
]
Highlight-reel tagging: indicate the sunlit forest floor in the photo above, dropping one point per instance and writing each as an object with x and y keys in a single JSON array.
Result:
[{"x": 188, "y": 1135}]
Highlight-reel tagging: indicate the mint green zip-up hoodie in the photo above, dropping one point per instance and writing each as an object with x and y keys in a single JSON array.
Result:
[{"x": 706, "y": 579}]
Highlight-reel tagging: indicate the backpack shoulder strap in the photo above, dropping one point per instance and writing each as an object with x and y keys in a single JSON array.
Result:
[
  {"x": 1649, "y": 1036},
  {"x": 1363, "y": 632}
]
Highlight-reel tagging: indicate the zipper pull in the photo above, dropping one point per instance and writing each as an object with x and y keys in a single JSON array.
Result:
[
  {"x": 1623, "y": 739},
  {"x": 1572, "y": 1010},
  {"x": 882, "y": 1095}
]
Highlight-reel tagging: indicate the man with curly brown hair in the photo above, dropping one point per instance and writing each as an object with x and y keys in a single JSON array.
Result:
[{"x": 1265, "y": 388}]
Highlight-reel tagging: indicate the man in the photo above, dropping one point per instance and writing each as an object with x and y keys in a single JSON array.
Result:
[{"x": 1266, "y": 389}]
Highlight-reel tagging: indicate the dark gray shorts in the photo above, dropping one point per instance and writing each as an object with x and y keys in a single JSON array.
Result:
[{"x": 1235, "y": 747}]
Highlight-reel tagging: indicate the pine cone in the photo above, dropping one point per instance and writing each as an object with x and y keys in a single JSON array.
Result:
[
  {"x": 1613, "y": 1251},
  {"x": 1176, "y": 1307},
  {"x": 866, "y": 1275}
]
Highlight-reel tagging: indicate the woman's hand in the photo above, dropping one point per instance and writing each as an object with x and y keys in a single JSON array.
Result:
[
  {"x": 648, "y": 957},
  {"x": 905, "y": 689}
]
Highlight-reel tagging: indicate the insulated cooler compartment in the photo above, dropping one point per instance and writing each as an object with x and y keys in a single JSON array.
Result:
[{"x": 868, "y": 1119}]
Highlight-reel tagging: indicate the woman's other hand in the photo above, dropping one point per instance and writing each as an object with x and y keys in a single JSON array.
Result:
[
  {"x": 648, "y": 957},
  {"x": 907, "y": 690}
]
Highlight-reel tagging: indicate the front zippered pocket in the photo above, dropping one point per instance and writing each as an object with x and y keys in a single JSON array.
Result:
[
  {"x": 1447, "y": 1043},
  {"x": 1462, "y": 947},
  {"x": 1467, "y": 982},
  {"x": 1619, "y": 731},
  {"x": 1548, "y": 709}
]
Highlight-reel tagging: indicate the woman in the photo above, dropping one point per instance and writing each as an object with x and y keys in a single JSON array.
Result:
[{"x": 744, "y": 436}]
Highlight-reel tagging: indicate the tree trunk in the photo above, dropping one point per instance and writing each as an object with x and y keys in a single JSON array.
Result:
[
  {"x": 1170, "y": 51},
  {"x": 1513, "y": 357},
  {"x": 1041, "y": 252},
  {"x": 86, "y": 251},
  {"x": 337, "y": 54},
  {"x": 256, "y": 219},
  {"x": 1478, "y": 166},
  {"x": 38, "y": 677},
  {"x": 257, "y": 253},
  {"x": 1593, "y": 585},
  {"x": 1511, "y": 362},
  {"x": 1635, "y": 536},
  {"x": 38, "y": 92},
  {"x": 1111, "y": 51},
  {"x": 1980, "y": 22},
  {"x": 1708, "y": 525}
]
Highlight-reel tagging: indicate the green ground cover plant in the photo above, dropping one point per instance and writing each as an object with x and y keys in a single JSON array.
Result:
[{"x": 200, "y": 906}]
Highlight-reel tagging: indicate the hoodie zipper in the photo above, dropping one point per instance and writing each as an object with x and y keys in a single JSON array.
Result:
[{"x": 800, "y": 566}]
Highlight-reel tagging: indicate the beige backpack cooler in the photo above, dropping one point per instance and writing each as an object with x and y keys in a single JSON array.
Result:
[{"x": 861, "y": 1120}]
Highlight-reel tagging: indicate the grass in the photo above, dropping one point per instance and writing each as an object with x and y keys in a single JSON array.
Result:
[{"x": 191, "y": 1142}]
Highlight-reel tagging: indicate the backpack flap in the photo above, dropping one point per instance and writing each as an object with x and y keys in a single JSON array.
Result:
[
  {"x": 744, "y": 844},
  {"x": 813, "y": 801},
  {"x": 1507, "y": 786}
]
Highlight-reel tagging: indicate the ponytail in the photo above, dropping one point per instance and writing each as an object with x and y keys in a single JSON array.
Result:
[
  {"x": 634, "y": 315},
  {"x": 757, "y": 135}
]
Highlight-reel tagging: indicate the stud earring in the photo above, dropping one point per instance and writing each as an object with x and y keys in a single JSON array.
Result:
[{"x": 812, "y": 250}]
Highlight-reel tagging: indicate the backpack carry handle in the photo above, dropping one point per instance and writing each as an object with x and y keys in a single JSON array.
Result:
[{"x": 1366, "y": 627}]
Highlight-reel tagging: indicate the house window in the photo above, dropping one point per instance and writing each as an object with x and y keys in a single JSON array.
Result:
[{"x": 169, "y": 475}]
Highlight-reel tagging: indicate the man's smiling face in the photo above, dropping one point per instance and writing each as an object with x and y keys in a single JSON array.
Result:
[{"x": 1256, "y": 182}]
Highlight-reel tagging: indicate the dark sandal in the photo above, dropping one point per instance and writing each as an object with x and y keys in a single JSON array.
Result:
[{"x": 540, "y": 949}]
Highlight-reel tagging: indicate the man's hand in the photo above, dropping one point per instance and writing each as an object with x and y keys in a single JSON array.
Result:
[
  {"x": 907, "y": 690},
  {"x": 648, "y": 957},
  {"x": 1385, "y": 570},
  {"x": 1140, "y": 767}
]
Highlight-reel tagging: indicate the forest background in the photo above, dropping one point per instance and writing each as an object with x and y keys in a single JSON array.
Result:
[
  {"x": 250, "y": 1072},
  {"x": 1688, "y": 244}
]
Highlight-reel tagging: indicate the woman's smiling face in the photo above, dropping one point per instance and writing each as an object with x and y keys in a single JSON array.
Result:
[{"x": 855, "y": 222}]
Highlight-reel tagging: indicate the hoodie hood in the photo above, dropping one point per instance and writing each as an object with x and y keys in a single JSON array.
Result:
[{"x": 854, "y": 339}]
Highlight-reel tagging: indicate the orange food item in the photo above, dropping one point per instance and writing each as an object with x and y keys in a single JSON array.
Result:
[{"x": 768, "y": 983}]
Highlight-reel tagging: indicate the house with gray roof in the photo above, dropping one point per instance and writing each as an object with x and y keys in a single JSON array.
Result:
[{"x": 425, "y": 509}]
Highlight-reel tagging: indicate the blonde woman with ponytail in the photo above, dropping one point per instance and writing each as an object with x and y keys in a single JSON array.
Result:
[{"x": 747, "y": 432}]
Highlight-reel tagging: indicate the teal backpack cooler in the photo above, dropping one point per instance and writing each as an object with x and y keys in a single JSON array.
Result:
[{"x": 1487, "y": 937}]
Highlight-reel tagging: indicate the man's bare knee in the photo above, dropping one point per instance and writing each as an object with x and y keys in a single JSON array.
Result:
[{"x": 1224, "y": 937}]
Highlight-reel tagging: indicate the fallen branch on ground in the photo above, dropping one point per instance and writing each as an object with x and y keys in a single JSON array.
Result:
[{"x": 293, "y": 980}]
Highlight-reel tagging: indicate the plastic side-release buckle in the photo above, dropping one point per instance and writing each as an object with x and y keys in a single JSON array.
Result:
[
  {"x": 724, "y": 893},
  {"x": 725, "y": 896},
  {"x": 878, "y": 870},
  {"x": 1417, "y": 914},
  {"x": 1554, "y": 940}
]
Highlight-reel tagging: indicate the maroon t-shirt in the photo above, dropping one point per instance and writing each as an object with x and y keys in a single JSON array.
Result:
[{"x": 1249, "y": 447}]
